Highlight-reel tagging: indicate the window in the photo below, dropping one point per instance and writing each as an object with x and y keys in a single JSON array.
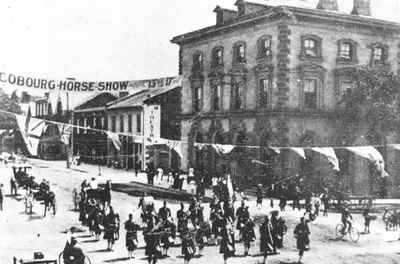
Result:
[
  {"x": 197, "y": 98},
  {"x": 217, "y": 57},
  {"x": 310, "y": 93},
  {"x": 102, "y": 122},
  {"x": 378, "y": 55},
  {"x": 130, "y": 123},
  {"x": 265, "y": 47},
  {"x": 113, "y": 124},
  {"x": 346, "y": 88},
  {"x": 95, "y": 122},
  {"x": 138, "y": 123},
  {"x": 121, "y": 123},
  {"x": 217, "y": 97},
  {"x": 84, "y": 125},
  {"x": 197, "y": 62},
  {"x": 265, "y": 88},
  {"x": 78, "y": 131},
  {"x": 310, "y": 48},
  {"x": 237, "y": 96},
  {"x": 345, "y": 51},
  {"x": 239, "y": 53}
]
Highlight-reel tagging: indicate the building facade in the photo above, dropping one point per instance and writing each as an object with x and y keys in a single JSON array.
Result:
[
  {"x": 150, "y": 113},
  {"x": 275, "y": 76},
  {"x": 91, "y": 145}
]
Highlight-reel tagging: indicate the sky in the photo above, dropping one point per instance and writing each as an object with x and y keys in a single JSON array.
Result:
[{"x": 101, "y": 40}]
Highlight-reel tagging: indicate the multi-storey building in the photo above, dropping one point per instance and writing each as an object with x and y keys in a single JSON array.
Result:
[{"x": 275, "y": 76}]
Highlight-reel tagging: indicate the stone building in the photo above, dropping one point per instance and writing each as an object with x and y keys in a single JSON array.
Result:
[{"x": 275, "y": 76}]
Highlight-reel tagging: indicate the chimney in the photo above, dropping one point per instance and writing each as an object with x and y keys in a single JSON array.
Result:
[
  {"x": 224, "y": 15},
  {"x": 362, "y": 7},
  {"x": 330, "y": 5}
]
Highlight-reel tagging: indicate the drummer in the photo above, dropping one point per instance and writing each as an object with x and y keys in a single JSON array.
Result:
[{"x": 93, "y": 184}]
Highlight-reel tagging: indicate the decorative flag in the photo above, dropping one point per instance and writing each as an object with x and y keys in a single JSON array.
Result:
[
  {"x": 200, "y": 146},
  {"x": 115, "y": 140},
  {"x": 65, "y": 131},
  {"x": 371, "y": 154},
  {"x": 300, "y": 152},
  {"x": 329, "y": 153},
  {"x": 229, "y": 185},
  {"x": 395, "y": 146},
  {"x": 223, "y": 149},
  {"x": 259, "y": 162},
  {"x": 177, "y": 146},
  {"x": 276, "y": 150},
  {"x": 31, "y": 129}
]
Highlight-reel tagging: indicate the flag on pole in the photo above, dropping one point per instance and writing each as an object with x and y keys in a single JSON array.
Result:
[
  {"x": 300, "y": 152},
  {"x": 31, "y": 129},
  {"x": 114, "y": 137},
  {"x": 65, "y": 131},
  {"x": 329, "y": 153},
  {"x": 223, "y": 149}
]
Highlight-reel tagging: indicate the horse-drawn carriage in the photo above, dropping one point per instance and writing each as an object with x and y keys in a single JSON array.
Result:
[{"x": 23, "y": 176}]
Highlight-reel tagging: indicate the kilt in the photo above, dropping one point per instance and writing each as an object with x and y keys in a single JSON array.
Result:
[
  {"x": 110, "y": 233},
  {"x": 131, "y": 242},
  {"x": 303, "y": 242}
]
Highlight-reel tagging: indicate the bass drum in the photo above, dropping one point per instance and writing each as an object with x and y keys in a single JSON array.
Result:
[{"x": 61, "y": 260}]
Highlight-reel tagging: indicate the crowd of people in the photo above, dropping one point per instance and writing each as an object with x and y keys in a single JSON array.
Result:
[{"x": 195, "y": 230}]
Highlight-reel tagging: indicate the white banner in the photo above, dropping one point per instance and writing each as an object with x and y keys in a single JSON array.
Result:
[
  {"x": 68, "y": 85},
  {"x": 31, "y": 129},
  {"x": 300, "y": 152},
  {"x": 330, "y": 154}
]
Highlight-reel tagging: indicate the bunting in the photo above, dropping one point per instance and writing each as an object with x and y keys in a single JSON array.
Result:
[
  {"x": 114, "y": 137},
  {"x": 176, "y": 145},
  {"x": 371, "y": 154},
  {"x": 65, "y": 131},
  {"x": 31, "y": 129},
  {"x": 300, "y": 152},
  {"x": 276, "y": 150},
  {"x": 223, "y": 149},
  {"x": 200, "y": 146},
  {"x": 330, "y": 154}
]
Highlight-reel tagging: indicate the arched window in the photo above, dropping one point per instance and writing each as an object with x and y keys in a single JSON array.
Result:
[
  {"x": 311, "y": 47},
  {"x": 197, "y": 61},
  {"x": 379, "y": 54},
  {"x": 347, "y": 51},
  {"x": 264, "y": 47},
  {"x": 217, "y": 57},
  {"x": 239, "y": 52}
]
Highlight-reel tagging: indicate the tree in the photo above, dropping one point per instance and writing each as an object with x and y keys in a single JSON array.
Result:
[{"x": 10, "y": 104}]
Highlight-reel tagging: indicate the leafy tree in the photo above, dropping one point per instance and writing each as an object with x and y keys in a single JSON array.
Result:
[{"x": 10, "y": 104}]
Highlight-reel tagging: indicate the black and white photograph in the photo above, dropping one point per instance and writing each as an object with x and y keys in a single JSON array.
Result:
[{"x": 191, "y": 132}]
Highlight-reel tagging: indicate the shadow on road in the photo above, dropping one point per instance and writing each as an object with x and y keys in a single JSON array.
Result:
[
  {"x": 99, "y": 251},
  {"x": 116, "y": 260}
]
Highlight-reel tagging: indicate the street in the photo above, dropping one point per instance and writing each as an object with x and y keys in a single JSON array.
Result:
[{"x": 23, "y": 234}]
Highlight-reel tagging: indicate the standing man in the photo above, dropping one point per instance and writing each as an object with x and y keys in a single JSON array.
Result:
[
  {"x": 266, "y": 240},
  {"x": 259, "y": 195},
  {"x": 13, "y": 187},
  {"x": 302, "y": 232},
  {"x": 1, "y": 197}
]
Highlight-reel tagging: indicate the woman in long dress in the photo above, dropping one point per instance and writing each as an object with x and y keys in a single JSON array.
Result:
[{"x": 266, "y": 240}]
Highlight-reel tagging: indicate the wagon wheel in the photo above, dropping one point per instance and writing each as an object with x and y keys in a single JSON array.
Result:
[{"x": 61, "y": 259}]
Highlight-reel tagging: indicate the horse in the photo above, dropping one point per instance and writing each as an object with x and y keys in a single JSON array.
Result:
[{"x": 49, "y": 199}]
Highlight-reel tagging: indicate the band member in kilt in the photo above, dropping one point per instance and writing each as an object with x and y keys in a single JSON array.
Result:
[
  {"x": 182, "y": 217},
  {"x": 97, "y": 220},
  {"x": 153, "y": 248},
  {"x": 202, "y": 235},
  {"x": 188, "y": 247},
  {"x": 111, "y": 227},
  {"x": 274, "y": 224},
  {"x": 280, "y": 231},
  {"x": 266, "y": 241},
  {"x": 217, "y": 219},
  {"x": 164, "y": 212},
  {"x": 227, "y": 247},
  {"x": 131, "y": 241},
  {"x": 301, "y": 233},
  {"x": 248, "y": 235},
  {"x": 167, "y": 238},
  {"x": 242, "y": 214}
]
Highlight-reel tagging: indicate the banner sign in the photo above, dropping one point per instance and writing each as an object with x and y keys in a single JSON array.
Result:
[
  {"x": 86, "y": 86},
  {"x": 152, "y": 122}
]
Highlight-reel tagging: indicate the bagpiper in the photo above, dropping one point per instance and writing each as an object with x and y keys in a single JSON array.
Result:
[
  {"x": 131, "y": 241},
  {"x": 227, "y": 247}
]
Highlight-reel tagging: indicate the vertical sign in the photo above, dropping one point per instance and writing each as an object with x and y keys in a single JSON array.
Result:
[{"x": 152, "y": 123}]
